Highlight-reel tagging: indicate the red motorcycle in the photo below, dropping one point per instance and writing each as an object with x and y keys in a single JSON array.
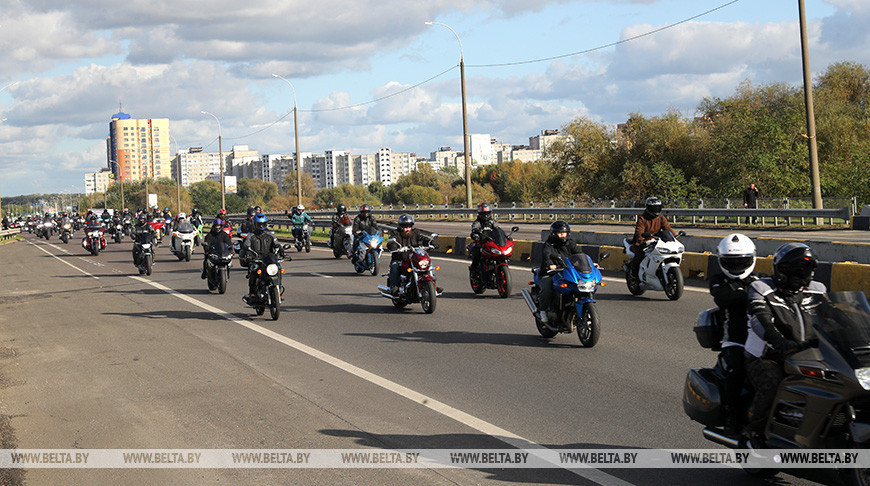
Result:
[
  {"x": 416, "y": 279},
  {"x": 493, "y": 272},
  {"x": 94, "y": 241},
  {"x": 158, "y": 225}
]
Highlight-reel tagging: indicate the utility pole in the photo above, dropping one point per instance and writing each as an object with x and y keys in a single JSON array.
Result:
[{"x": 811, "y": 117}]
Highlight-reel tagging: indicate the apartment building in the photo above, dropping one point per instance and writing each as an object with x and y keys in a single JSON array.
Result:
[
  {"x": 97, "y": 181},
  {"x": 195, "y": 165},
  {"x": 138, "y": 147}
]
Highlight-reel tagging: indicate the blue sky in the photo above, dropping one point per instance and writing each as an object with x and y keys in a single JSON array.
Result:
[{"x": 75, "y": 60}]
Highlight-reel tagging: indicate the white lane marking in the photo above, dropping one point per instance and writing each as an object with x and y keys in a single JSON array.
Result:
[
  {"x": 469, "y": 420},
  {"x": 320, "y": 275},
  {"x": 62, "y": 260}
]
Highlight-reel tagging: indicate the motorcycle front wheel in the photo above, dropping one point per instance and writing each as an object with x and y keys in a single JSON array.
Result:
[
  {"x": 186, "y": 254},
  {"x": 633, "y": 284},
  {"x": 222, "y": 280},
  {"x": 307, "y": 245},
  {"x": 374, "y": 266},
  {"x": 503, "y": 281},
  {"x": 148, "y": 264},
  {"x": 428, "y": 297},
  {"x": 275, "y": 306},
  {"x": 589, "y": 327},
  {"x": 65, "y": 238},
  {"x": 674, "y": 287}
]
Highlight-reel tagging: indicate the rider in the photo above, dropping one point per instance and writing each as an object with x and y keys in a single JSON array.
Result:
[
  {"x": 247, "y": 226},
  {"x": 5, "y": 222},
  {"x": 363, "y": 222},
  {"x": 106, "y": 217},
  {"x": 651, "y": 221},
  {"x": 297, "y": 219},
  {"x": 258, "y": 244},
  {"x": 780, "y": 309},
  {"x": 736, "y": 257},
  {"x": 195, "y": 217},
  {"x": 479, "y": 228},
  {"x": 167, "y": 214},
  {"x": 141, "y": 233},
  {"x": 340, "y": 213},
  {"x": 556, "y": 248},
  {"x": 214, "y": 239},
  {"x": 405, "y": 236}
]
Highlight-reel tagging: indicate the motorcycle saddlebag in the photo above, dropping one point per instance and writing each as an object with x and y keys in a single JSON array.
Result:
[
  {"x": 702, "y": 398},
  {"x": 710, "y": 328}
]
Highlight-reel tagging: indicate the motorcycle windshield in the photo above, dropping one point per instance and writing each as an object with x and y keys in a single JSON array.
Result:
[
  {"x": 498, "y": 237},
  {"x": 580, "y": 262},
  {"x": 185, "y": 227},
  {"x": 845, "y": 321},
  {"x": 666, "y": 235}
]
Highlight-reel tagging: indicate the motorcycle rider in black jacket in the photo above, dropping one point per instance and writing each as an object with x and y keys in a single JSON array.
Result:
[
  {"x": 141, "y": 233},
  {"x": 258, "y": 244},
  {"x": 213, "y": 240},
  {"x": 363, "y": 222},
  {"x": 780, "y": 313},
  {"x": 736, "y": 258},
  {"x": 556, "y": 248},
  {"x": 406, "y": 235},
  {"x": 483, "y": 222}
]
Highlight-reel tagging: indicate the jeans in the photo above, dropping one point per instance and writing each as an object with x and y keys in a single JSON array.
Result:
[
  {"x": 547, "y": 293},
  {"x": 395, "y": 269}
]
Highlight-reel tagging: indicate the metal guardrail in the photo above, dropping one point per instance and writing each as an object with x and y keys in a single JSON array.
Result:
[
  {"x": 10, "y": 233},
  {"x": 695, "y": 215}
]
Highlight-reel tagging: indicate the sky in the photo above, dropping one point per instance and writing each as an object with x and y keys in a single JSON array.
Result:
[{"x": 371, "y": 74}]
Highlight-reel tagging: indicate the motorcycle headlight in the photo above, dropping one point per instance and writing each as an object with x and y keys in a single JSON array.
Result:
[
  {"x": 508, "y": 251},
  {"x": 587, "y": 286},
  {"x": 272, "y": 269},
  {"x": 863, "y": 375},
  {"x": 496, "y": 251},
  {"x": 423, "y": 264},
  {"x": 665, "y": 251},
  {"x": 213, "y": 257}
]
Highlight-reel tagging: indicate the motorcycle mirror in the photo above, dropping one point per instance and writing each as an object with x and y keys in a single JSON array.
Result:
[
  {"x": 287, "y": 246},
  {"x": 603, "y": 255},
  {"x": 646, "y": 234},
  {"x": 434, "y": 235},
  {"x": 681, "y": 233},
  {"x": 515, "y": 229}
]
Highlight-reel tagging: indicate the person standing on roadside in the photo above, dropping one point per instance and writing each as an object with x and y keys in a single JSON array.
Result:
[{"x": 750, "y": 201}]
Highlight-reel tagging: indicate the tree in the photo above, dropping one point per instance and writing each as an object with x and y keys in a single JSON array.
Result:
[
  {"x": 347, "y": 194},
  {"x": 206, "y": 196},
  {"x": 582, "y": 158},
  {"x": 256, "y": 192},
  {"x": 415, "y": 194}
]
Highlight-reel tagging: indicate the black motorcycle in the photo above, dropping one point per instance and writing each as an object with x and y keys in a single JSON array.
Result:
[
  {"x": 143, "y": 253},
  {"x": 267, "y": 288},
  {"x": 822, "y": 403},
  {"x": 217, "y": 268},
  {"x": 304, "y": 238}
]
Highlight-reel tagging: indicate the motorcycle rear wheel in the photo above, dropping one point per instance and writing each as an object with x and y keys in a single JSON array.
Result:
[
  {"x": 589, "y": 327},
  {"x": 428, "y": 297},
  {"x": 674, "y": 287},
  {"x": 503, "y": 281}
]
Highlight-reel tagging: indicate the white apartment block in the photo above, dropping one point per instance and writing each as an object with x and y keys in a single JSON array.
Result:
[
  {"x": 337, "y": 168},
  {"x": 365, "y": 169},
  {"x": 542, "y": 141},
  {"x": 526, "y": 154},
  {"x": 241, "y": 161},
  {"x": 383, "y": 160},
  {"x": 481, "y": 149},
  {"x": 97, "y": 181},
  {"x": 195, "y": 165}
]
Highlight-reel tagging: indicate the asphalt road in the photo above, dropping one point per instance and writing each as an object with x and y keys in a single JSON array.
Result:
[{"x": 94, "y": 356}]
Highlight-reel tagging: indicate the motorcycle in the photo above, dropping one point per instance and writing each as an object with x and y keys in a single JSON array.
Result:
[
  {"x": 217, "y": 269},
  {"x": 822, "y": 403},
  {"x": 66, "y": 232},
  {"x": 39, "y": 229},
  {"x": 159, "y": 228},
  {"x": 48, "y": 229},
  {"x": 117, "y": 231},
  {"x": 493, "y": 271},
  {"x": 267, "y": 288},
  {"x": 368, "y": 252},
  {"x": 94, "y": 240},
  {"x": 660, "y": 268},
  {"x": 342, "y": 238},
  {"x": 30, "y": 226},
  {"x": 416, "y": 279},
  {"x": 575, "y": 286},
  {"x": 143, "y": 255},
  {"x": 182, "y": 242},
  {"x": 304, "y": 239}
]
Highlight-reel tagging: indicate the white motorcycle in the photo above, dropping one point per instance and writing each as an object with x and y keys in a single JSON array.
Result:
[
  {"x": 182, "y": 243},
  {"x": 660, "y": 268}
]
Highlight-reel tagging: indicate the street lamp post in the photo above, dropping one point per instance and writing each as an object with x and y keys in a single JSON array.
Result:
[
  {"x": 121, "y": 180},
  {"x": 464, "y": 116},
  {"x": 296, "y": 134},
  {"x": 811, "y": 118},
  {"x": 221, "y": 155},
  {"x": 178, "y": 176}
]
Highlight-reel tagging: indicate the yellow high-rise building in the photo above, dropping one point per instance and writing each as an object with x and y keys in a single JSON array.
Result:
[{"x": 138, "y": 148}]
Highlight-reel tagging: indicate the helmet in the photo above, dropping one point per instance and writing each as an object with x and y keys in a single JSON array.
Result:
[
  {"x": 217, "y": 224},
  {"x": 340, "y": 209},
  {"x": 142, "y": 219},
  {"x": 222, "y": 213},
  {"x": 194, "y": 212},
  {"x": 250, "y": 212},
  {"x": 300, "y": 208},
  {"x": 654, "y": 205},
  {"x": 166, "y": 208},
  {"x": 365, "y": 210},
  {"x": 181, "y": 215},
  {"x": 736, "y": 254},
  {"x": 258, "y": 209},
  {"x": 126, "y": 210},
  {"x": 485, "y": 210},
  {"x": 793, "y": 266},
  {"x": 560, "y": 227},
  {"x": 260, "y": 224},
  {"x": 406, "y": 221}
]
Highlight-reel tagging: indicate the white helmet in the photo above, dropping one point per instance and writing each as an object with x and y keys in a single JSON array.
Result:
[
  {"x": 736, "y": 254},
  {"x": 182, "y": 215},
  {"x": 300, "y": 208}
]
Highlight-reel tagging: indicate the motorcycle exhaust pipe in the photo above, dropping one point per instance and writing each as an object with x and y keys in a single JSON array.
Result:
[
  {"x": 385, "y": 291},
  {"x": 721, "y": 439},
  {"x": 529, "y": 301}
]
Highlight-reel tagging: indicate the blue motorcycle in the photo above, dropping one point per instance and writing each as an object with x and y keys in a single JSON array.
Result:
[
  {"x": 575, "y": 287},
  {"x": 368, "y": 251}
]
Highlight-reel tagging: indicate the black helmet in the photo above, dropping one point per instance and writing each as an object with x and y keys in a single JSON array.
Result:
[
  {"x": 365, "y": 210},
  {"x": 560, "y": 227},
  {"x": 484, "y": 210},
  {"x": 142, "y": 218},
  {"x": 406, "y": 221},
  {"x": 654, "y": 206},
  {"x": 258, "y": 209},
  {"x": 793, "y": 266},
  {"x": 340, "y": 209}
]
